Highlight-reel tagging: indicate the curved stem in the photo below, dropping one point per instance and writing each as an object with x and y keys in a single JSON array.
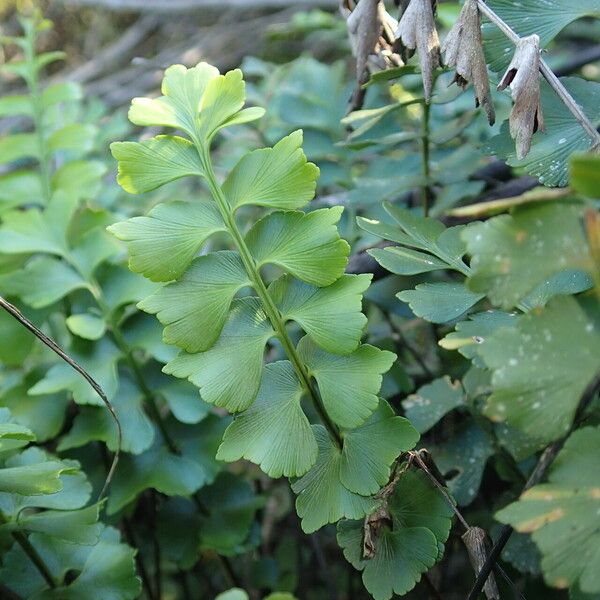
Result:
[{"x": 261, "y": 290}]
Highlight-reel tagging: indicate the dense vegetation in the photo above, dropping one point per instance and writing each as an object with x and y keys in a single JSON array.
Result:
[{"x": 257, "y": 345}]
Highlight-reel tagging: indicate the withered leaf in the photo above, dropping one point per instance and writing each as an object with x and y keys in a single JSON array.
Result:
[
  {"x": 475, "y": 540},
  {"x": 464, "y": 51},
  {"x": 523, "y": 78},
  {"x": 364, "y": 28},
  {"x": 371, "y": 32},
  {"x": 416, "y": 30}
]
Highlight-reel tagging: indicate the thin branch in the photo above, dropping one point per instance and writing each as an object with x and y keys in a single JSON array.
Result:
[
  {"x": 536, "y": 477},
  {"x": 173, "y": 6},
  {"x": 548, "y": 74},
  {"x": 23, "y": 320}
]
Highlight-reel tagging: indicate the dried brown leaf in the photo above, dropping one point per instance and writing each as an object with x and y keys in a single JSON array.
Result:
[
  {"x": 523, "y": 78},
  {"x": 475, "y": 540},
  {"x": 416, "y": 30},
  {"x": 364, "y": 29},
  {"x": 463, "y": 50}
]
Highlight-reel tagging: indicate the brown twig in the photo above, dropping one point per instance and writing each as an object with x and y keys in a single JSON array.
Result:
[{"x": 23, "y": 320}]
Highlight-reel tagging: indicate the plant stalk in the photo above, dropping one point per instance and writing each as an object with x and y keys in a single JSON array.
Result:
[
  {"x": 426, "y": 167},
  {"x": 261, "y": 289}
]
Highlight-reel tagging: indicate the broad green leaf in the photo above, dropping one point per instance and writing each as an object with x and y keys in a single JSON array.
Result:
[
  {"x": 545, "y": 19},
  {"x": 543, "y": 407},
  {"x": 65, "y": 91},
  {"x": 96, "y": 423},
  {"x": 105, "y": 570},
  {"x": 34, "y": 479},
  {"x": 464, "y": 456},
  {"x": 278, "y": 177},
  {"x": 183, "y": 400},
  {"x": 121, "y": 287},
  {"x": 33, "y": 230},
  {"x": 401, "y": 557},
  {"x": 99, "y": 358},
  {"x": 431, "y": 402},
  {"x": 565, "y": 283},
  {"x": 406, "y": 261},
  {"x": 548, "y": 159},
  {"x": 231, "y": 504},
  {"x": 223, "y": 99},
  {"x": 331, "y": 316},
  {"x": 77, "y": 526},
  {"x": 44, "y": 415},
  {"x": 163, "y": 244},
  {"x": 194, "y": 308},
  {"x": 563, "y": 514},
  {"x": 440, "y": 302},
  {"x": 306, "y": 245},
  {"x": 147, "y": 165},
  {"x": 167, "y": 473},
  {"x": 512, "y": 254},
  {"x": 108, "y": 573},
  {"x": 43, "y": 281},
  {"x": 229, "y": 373},
  {"x": 75, "y": 137},
  {"x": 11, "y": 106},
  {"x": 179, "y": 105},
  {"x": 348, "y": 384},
  {"x": 470, "y": 335},
  {"x": 274, "y": 432},
  {"x": 71, "y": 492},
  {"x": 233, "y": 594},
  {"x": 381, "y": 438},
  {"x": 322, "y": 498},
  {"x": 585, "y": 174},
  {"x": 408, "y": 544},
  {"x": 92, "y": 249},
  {"x": 86, "y": 325},
  {"x": 12, "y": 434},
  {"x": 79, "y": 178},
  {"x": 22, "y": 340},
  {"x": 430, "y": 245},
  {"x": 18, "y": 146},
  {"x": 18, "y": 188},
  {"x": 416, "y": 502}
]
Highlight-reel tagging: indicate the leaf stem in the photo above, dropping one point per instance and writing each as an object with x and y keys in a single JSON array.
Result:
[
  {"x": 259, "y": 286},
  {"x": 38, "y": 112},
  {"x": 426, "y": 167},
  {"x": 32, "y": 553},
  {"x": 553, "y": 81}
]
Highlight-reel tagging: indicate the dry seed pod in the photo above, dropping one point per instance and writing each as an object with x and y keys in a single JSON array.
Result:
[
  {"x": 416, "y": 30},
  {"x": 464, "y": 51},
  {"x": 523, "y": 77}
]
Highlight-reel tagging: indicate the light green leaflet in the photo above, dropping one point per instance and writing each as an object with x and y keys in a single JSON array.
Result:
[
  {"x": 348, "y": 384},
  {"x": 331, "y": 316},
  {"x": 194, "y": 309},
  {"x": 274, "y": 432},
  {"x": 229, "y": 373},
  {"x": 282, "y": 177},
  {"x": 306, "y": 245},
  {"x": 162, "y": 245}
]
